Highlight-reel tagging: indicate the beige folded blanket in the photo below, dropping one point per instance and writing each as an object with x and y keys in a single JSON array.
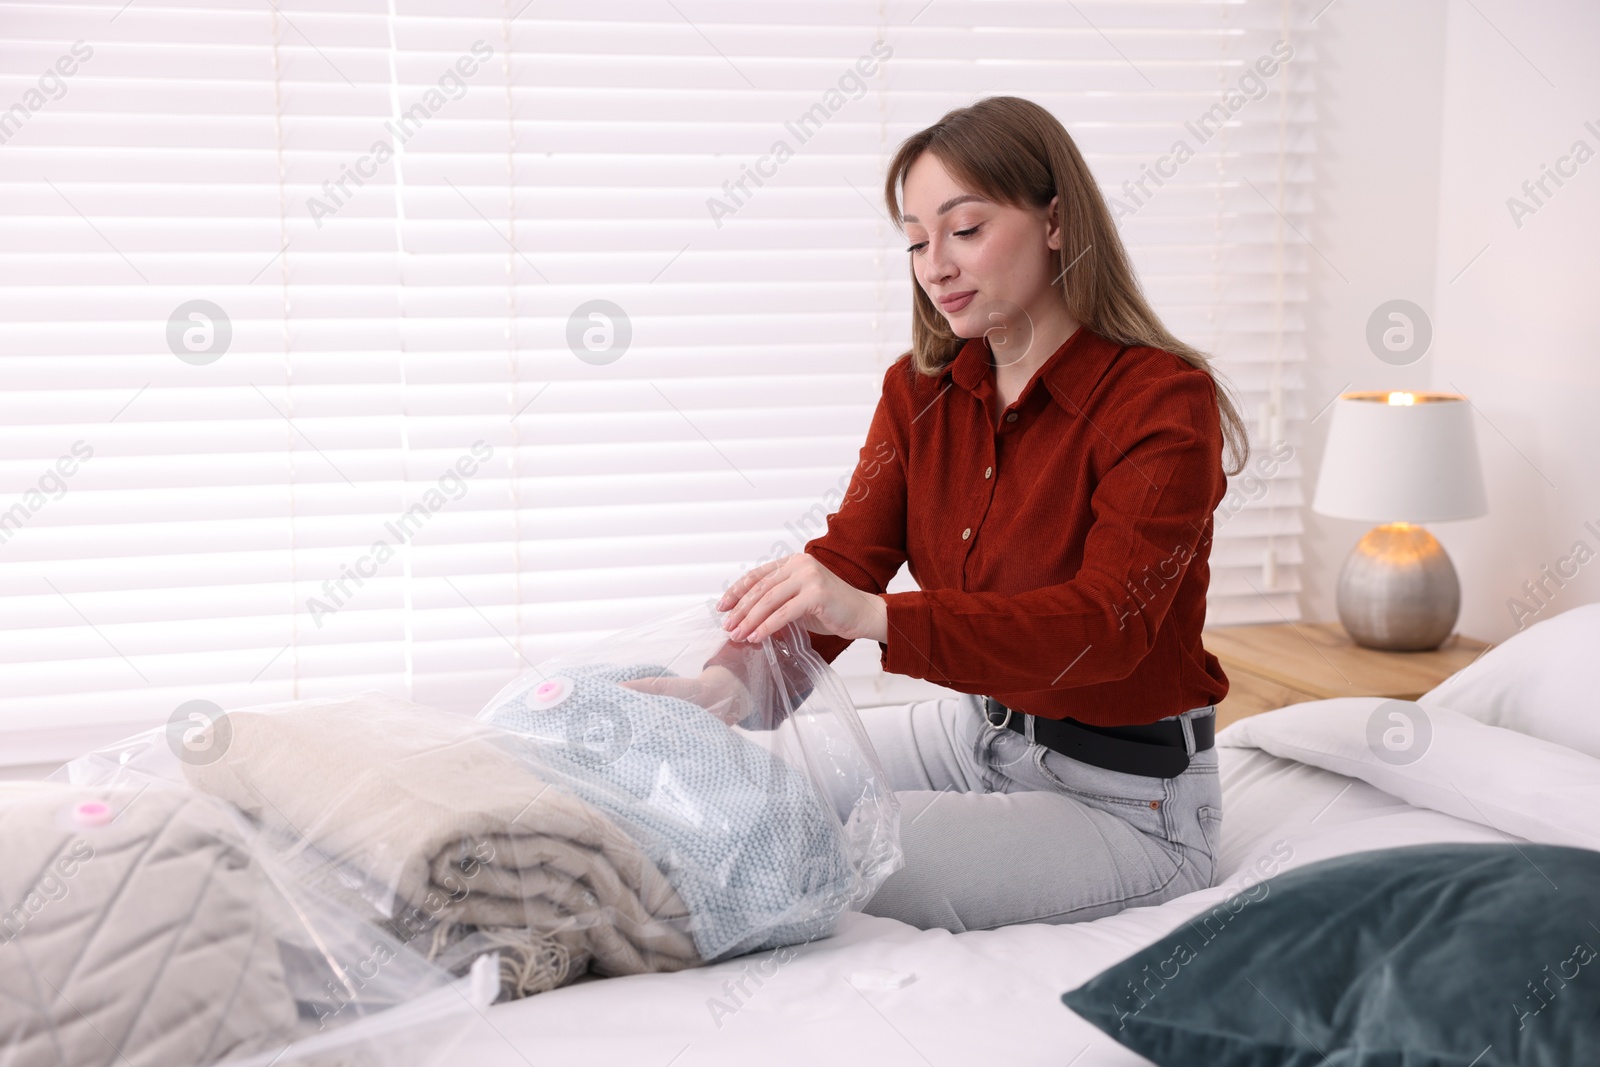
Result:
[{"x": 457, "y": 833}]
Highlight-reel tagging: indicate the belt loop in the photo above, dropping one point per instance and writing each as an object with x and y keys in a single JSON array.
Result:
[
  {"x": 1188, "y": 733},
  {"x": 1027, "y": 723}
]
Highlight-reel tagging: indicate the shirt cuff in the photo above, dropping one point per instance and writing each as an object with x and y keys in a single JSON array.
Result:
[{"x": 910, "y": 638}]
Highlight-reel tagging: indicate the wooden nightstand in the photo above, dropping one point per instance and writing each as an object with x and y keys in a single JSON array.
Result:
[{"x": 1289, "y": 663}]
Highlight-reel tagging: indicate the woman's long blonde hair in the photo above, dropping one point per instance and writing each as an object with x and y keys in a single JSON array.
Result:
[{"x": 1014, "y": 152}]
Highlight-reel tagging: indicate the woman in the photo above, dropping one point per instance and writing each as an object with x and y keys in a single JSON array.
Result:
[{"x": 1056, "y": 459}]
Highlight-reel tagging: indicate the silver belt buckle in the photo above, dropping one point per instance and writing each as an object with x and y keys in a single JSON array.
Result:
[{"x": 1001, "y": 725}]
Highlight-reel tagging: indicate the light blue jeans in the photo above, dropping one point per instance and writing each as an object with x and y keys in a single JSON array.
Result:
[{"x": 999, "y": 830}]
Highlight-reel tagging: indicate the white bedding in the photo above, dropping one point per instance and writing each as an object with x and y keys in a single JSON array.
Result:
[{"x": 993, "y": 996}]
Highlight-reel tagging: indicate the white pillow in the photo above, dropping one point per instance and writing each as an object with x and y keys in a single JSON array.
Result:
[
  {"x": 1543, "y": 681},
  {"x": 1494, "y": 777}
]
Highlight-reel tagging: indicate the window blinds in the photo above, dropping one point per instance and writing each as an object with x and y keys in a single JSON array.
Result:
[{"x": 401, "y": 344}]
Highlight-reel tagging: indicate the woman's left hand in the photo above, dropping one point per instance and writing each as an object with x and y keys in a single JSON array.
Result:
[{"x": 798, "y": 588}]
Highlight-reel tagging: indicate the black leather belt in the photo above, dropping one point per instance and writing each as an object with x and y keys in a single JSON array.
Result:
[{"x": 1156, "y": 749}]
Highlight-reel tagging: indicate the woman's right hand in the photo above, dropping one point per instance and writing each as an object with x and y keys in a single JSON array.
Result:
[{"x": 717, "y": 689}]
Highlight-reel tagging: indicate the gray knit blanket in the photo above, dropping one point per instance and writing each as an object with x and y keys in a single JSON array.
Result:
[{"x": 743, "y": 836}]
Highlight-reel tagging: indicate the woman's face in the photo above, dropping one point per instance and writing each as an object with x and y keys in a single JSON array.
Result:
[{"x": 986, "y": 266}]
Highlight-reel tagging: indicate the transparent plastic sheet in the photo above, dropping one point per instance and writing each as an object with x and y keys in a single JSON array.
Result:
[
  {"x": 742, "y": 771},
  {"x": 434, "y": 827},
  {"x": 657, "y": 801},
  {"x": 144, "y": 923}
]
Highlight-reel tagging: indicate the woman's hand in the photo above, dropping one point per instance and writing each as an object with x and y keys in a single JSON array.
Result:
[
  {"x": 797, "y": 588},
  {"x": 717, "y": 689}
]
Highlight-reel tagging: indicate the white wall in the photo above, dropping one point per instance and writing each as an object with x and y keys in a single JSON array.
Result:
[
  {"x": 1517, "y": 332},
  {"x": 1434, "y": 114},
  {"x": 1380, "y": 67}
]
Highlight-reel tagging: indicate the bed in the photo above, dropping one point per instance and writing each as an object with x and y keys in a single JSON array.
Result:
[
  {"x": 1300, "y": 784},
  {"x": 1369, "y": 821}
]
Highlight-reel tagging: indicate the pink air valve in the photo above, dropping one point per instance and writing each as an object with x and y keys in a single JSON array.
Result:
[
  {"x": 92, "y": 813},
  {"x": 550, "y": 692}
]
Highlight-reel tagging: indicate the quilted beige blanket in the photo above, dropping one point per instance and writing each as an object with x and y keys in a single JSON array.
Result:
[
  {"x": 136, "y": 930},
  {"x": 449, "y": 832}
]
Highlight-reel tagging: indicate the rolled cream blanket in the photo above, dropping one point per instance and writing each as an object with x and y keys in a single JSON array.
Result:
[{"x": 438, "y": 819}]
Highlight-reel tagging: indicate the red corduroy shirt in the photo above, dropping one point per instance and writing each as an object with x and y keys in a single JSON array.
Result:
[{"x": 1061, "y": 551}]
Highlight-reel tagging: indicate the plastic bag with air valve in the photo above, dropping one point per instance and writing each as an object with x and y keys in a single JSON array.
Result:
[
  {"x": 741, "y": 770},
  {"x": 147, "y": 924},
  {"x": 346, "y": 879}
]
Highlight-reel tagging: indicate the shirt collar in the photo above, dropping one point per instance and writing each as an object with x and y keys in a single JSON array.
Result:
[{"x": 1070, "y": 374}]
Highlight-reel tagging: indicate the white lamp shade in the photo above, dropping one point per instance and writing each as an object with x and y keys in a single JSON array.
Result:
[{"x": 1413, "y": 461}]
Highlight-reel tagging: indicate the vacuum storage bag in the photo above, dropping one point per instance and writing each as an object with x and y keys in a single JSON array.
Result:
[
  {"x": 741, "y": 770},
  {"x": 656, "y": 801},
  {"x": 436, "y": 828},
  {"x": 145, "y": 924}
]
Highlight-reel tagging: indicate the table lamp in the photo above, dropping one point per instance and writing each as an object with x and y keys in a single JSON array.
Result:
[{"x": 1400, "y": 459}]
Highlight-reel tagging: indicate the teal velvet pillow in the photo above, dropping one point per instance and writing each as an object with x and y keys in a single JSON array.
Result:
[{"x": 1441, "y": 955}]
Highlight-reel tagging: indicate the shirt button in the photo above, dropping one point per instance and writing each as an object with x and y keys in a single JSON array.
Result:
[
  {"x": 966, "y": 533},
  {"x": 987, "y": 471},
  {"x": 1012, "y": 417}
]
